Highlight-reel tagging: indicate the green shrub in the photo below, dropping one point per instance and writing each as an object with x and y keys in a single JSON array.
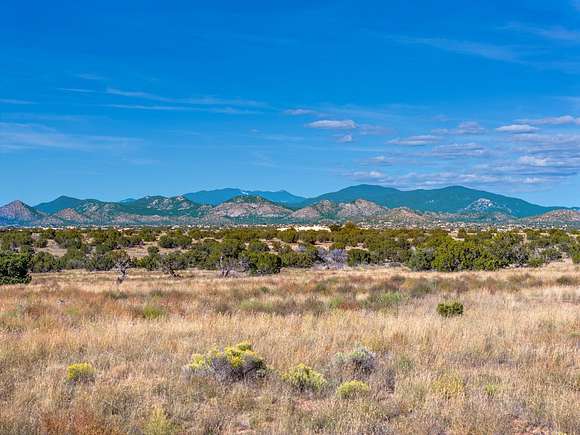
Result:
[
  {"x": 14, "y": 268},
  {"x": 449, "y": 386},
  {"x": 153, "y": 312},
  {"x": 536, "y": 261},
  {"x": 361, "y": 360},
  {"x": 115, "y": 295},
  {"x": 80, "y": 372},
  {"x": 264, "y": 263},
  {"x": 304, "y": 378},
  {"x": 45, "y": 262},
  {"x": 575, "y": 254},
  {"x": 386, "y": 300},
  {"x": 233, "y": 363},
  {"x": 450, "y": 309},
  {"x": 356, "y": 257},
  {"x": 351, "y": 389},
  {"x": 421, "y": 259},
  {"x": 159, "y": 424},
  {"x": 567, "y": 280}
]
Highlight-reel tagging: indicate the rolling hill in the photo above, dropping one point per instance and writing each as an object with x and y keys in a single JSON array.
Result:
[
  {"x": 216, "y": 197},
  {"x": 363, "y": 203},
  {"x": 453, "y": 199}
]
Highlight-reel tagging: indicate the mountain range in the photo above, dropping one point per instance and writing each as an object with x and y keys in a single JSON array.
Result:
[{"x": 362, "y": 203}]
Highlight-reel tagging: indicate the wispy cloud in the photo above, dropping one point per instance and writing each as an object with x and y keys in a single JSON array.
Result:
[
  {"x": 171, "y": 108},
  {"x": 459, "y": 150},
  {"x": 424, "y": 139},
  {"x": 487, "y": 51},
  {"x": 555, "y": 120},
  {"x": 15, "y": 102},
  {"x": 195, "y": 101},
  {"x": 517, "y": 128},
  {"x": 15, "y": 136},
  {"x": 78, "y": 90},
  {"x": 329, "y": 124},
  {"x": 347, "y": 138},
  {"x": 557, "y": 33},
  {"x": 469, "y": 127},
  {"x": 91, "y": 77},
  {"x": 299, "y": 112}
]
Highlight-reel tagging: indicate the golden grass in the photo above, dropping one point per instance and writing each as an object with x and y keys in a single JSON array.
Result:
[{"x": 510, "y": 364}]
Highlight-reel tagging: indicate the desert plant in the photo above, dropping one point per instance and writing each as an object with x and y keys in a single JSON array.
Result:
[
  {"x": 449, "y": 385},
  {"x": 14, "y": 268},
  {"x": 264, "y": 263},
  {"x": 159, "y": 424},
  {"x": 233, "y": 363},
  {"x": 304, "y": 378},
  {"x": 80, "y": 372},
  {"x": 360, "y": 360},
  {"x": 152, "y": 312},
  {"x": 356, "y": 257},
  {"x": 450, "y": 309},
  {"x": 352, "y": 389}
]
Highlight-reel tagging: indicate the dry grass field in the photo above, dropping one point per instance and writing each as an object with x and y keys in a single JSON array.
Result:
[{"x": 509, "y": 364}]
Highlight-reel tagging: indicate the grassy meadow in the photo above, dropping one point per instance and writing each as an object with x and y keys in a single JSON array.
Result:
[{"x": 509, "y": 364}]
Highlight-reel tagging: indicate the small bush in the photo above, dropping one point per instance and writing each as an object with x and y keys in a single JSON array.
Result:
[
  {"x": 449, "y": 386},
  {"x": 356, "y": 257},
  {"x": 304, "y": 378},
  {"x": 80, "y": 372},
  {"x": 491, "y": 390},
  {"x": 264, "y": 263},
  {"x": 536, "y": 261},
  {"x": 384, "y": 301},
  {"x": 450, "y": 309},
  {"x": 361, "y": 360},
  {"x": 233, "y": 363},
  {"x": 14, "y": 268},
  {"x": 115, "y": 295},
  {"x": 159, "y": 424},
  {"x": 153, "y": 312},
  {"x": 351, "y": 389},
  {"x": 566, "y": 280}
]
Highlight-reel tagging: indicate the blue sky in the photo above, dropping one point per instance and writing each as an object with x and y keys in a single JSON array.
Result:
[{"x": 124, "y": 99}]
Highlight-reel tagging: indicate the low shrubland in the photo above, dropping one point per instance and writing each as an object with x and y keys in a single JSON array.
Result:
[
  {"x": 264, "y": 251},
  {"x": 350, "y": 351}
]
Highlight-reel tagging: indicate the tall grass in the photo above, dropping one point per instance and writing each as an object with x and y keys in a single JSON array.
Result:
[{"x": 509, "y": 364}]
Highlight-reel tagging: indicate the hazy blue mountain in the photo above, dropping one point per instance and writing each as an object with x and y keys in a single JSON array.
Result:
[
  {"x": 453, "y": 199},
  {"x": 58, "y": 204},
  {"x": 218, "y": 196},
  {"x": 358, "y": 203},
  {"x": 161, "y": 205}
]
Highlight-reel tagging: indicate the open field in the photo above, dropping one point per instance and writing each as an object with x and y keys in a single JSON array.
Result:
[{"x": 509, "y": 364}]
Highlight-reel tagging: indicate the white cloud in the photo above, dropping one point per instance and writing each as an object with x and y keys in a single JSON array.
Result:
[
  {"x": 14, "y": 136},
  {"x": 517, "y": 128},
  {"x": 424, "y": 139},
  {"x": 556, "y": 120},
  {"x": 469, "y": 127},
  {"x": 299, "y": 112},
  {"x": 558, "y": 33},
  {"x": 533, "y": 161},
  {"x": 78, "y": 90},
  {"x": 487, "y": 51},
  {"x": 347, "y": 124},
  {"x": 14, "y": 101},
  {"x": 347, "y": 138},
  {"x": 172, "y": 108},
  {"x": 459, "y": 150}
]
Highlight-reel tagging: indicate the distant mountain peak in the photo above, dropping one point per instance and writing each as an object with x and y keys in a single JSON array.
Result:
[{"x": 363, "y": 203}]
